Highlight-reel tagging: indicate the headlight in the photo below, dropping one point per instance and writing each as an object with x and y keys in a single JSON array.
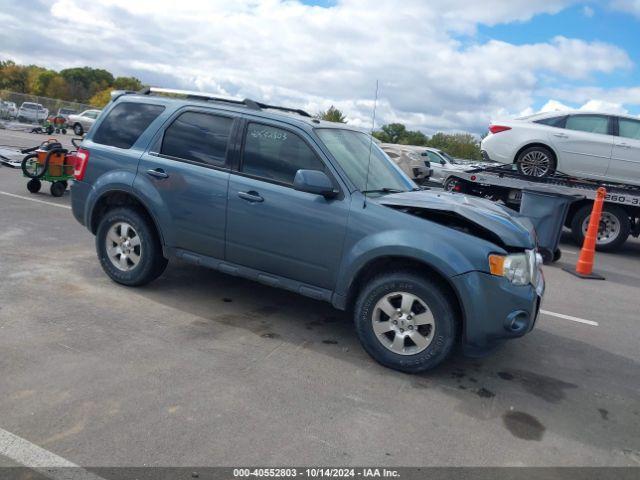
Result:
[{"x": 518, "y": 268}]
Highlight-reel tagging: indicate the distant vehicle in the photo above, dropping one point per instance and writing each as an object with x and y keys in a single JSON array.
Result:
[
  {"x": 12, "y": 109},
  {"x": 314, "y": 207},
  {"x": 65, "y": 112},
  {"x": 8, "y": 110},
  {"x": 408, "y": 160},
  {"x": 588, "y": 145},
  {"x": 442, "y": 164},
  {"x": 83, "y": 122},
  {"x": 32, "y": 112}
]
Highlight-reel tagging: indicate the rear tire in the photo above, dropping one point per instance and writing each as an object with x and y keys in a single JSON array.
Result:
[
  {"x": 57, "y": 189},
  {"x": 536, "y": 161},
  {"x": 431, "y": 299},
  {"x": 149, "y": 264},
  {"x": 615, "y": 227}
]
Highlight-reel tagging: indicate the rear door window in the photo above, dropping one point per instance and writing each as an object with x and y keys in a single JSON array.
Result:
[
  {"x": 125, "y": 123},
  {"x": 276, "y": 154},
  {"x": 629, "y": 128},
  {"x": 588, "y": 123}
]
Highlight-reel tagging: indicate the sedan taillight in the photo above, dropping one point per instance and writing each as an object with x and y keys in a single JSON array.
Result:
[{"x": 498, "y": 128}]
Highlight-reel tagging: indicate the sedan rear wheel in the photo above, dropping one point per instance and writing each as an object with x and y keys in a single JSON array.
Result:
[{"x": 536, "y": 162}]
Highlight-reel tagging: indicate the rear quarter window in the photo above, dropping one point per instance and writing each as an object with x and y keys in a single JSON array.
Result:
[{"x": 125, "y": 123}]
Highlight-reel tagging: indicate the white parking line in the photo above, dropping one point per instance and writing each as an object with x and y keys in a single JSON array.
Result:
[
  {"x": 45, "y": 462},
  {"x": 35, "y": 200},
  {"x": 570, "y": 252},
  {"x": 569, "y": 317}
]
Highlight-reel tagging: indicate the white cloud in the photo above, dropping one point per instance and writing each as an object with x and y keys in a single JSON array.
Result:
[
  {"x": 629, "y": 6},
  {"x": 604, "y": 107},
  {"x": 554, "y": 106},
  {"x": 294, "y": 54},
  {"x": 587, "y": 11}
]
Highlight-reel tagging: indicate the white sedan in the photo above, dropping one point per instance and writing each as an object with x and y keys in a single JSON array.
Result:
[{"x": 582, "y": 144}]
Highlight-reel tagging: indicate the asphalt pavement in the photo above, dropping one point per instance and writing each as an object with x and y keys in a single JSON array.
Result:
[{"x": 201, "y": 368}]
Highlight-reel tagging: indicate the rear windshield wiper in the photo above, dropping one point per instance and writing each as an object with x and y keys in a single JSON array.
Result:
[{"x": 383, "y": 190}]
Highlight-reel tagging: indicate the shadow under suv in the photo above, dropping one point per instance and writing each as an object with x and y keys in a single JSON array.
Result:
[{"x": 274, "y": 195}]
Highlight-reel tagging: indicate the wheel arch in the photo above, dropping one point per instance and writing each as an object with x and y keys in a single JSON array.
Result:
[
  {"x": 388, "y": 263},
  {"x": 120, "y": 198}
]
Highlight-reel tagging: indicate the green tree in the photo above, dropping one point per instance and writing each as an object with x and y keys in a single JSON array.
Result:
[
  {"x": 391, "y": 133},
  {"x": 332, "y": 115},
  {"x": 462, "y": 145},
  {"x": 127, "y": 83}
]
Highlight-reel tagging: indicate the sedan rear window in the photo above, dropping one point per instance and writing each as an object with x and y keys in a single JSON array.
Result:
[{"x": 125, "y": 123}]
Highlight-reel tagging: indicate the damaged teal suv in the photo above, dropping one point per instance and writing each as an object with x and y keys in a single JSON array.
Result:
[{"x": 274, "y": 195}]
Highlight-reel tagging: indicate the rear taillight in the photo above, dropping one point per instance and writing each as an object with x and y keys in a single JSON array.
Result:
[
  {"x": 80, "y": 165},
  {"x": 498, "y": 128}
]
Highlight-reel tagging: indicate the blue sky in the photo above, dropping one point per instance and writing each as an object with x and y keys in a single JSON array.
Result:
[
  {"x": 588, "y": 21},
  {"x": 442, "y": 65}
]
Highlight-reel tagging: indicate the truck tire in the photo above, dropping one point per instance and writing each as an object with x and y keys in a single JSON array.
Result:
[
  {"x": 615, "y": 227},
  {"x": 405, "y": 321},
  {"x": 129, "y": 248},
  {"x": 536, "y": 161}
]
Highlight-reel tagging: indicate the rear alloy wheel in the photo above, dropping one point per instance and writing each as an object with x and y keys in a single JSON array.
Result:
[
  {"x": 406, "y": 321},
  {"x": 613, "y": 230},
  {"x": 536, "y": 162},
  {"x": 129, "y": 248}
]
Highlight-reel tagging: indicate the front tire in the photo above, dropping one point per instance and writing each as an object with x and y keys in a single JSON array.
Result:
[
  {"x": 405, "y": 321},
  {"x": 128, "y": 247},
  {"x": 613, "y": 231},
  {"x": 34, "y": 185},
  {"x": 536, "y": 161}
]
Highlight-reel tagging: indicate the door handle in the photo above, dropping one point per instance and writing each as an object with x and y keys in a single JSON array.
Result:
[
  {"x": 251, "y": 196},
  {"x": 560, "y": 135},
  {"x": 158, "y": 173}
]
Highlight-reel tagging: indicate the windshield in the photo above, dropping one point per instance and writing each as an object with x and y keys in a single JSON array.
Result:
[
  {"x": 29, "y": 106},
  {"x": 351, "y": 150},
  {"x": 449, "y": 157}
]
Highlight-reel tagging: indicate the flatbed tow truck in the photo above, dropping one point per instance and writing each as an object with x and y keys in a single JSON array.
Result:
[{"x": 621, "y": 210}]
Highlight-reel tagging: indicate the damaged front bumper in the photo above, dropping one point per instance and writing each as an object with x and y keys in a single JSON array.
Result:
[{"x": 495, "y": 310}]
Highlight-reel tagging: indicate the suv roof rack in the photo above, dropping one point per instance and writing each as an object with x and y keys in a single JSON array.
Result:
[{"x": 252, "y": 104}]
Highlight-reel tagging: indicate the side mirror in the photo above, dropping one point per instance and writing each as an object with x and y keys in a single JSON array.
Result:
[
  {"x": 442, "y": 162},
  {"x": 314, "y": 181},
  {"x": 427, "y": 163}
]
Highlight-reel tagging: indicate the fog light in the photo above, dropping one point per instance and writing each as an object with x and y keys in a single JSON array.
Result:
[{"x": 517, "y": 322}]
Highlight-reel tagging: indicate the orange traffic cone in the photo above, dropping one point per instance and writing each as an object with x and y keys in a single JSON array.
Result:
[{"x": 584, "y": 267}]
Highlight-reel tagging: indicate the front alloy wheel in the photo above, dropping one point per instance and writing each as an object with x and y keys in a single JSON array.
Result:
[
  {"x": 406, "y": 320},
  {"x": 403, "y": 323}
]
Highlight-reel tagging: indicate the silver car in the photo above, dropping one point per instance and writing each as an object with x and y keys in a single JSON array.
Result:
[
  {"x": 408, "y": 160},
  {"x": 443, "y": 164},
  {"x": 83, "y": 122}
]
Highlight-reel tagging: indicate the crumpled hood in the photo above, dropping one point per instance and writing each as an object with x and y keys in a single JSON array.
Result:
[{"x": 515, "y": 231}]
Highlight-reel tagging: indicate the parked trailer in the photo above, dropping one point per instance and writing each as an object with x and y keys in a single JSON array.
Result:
[{"x": 620, "y": 214}]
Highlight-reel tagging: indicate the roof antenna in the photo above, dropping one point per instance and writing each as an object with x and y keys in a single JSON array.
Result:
[{"x": 373, "y": 125}]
